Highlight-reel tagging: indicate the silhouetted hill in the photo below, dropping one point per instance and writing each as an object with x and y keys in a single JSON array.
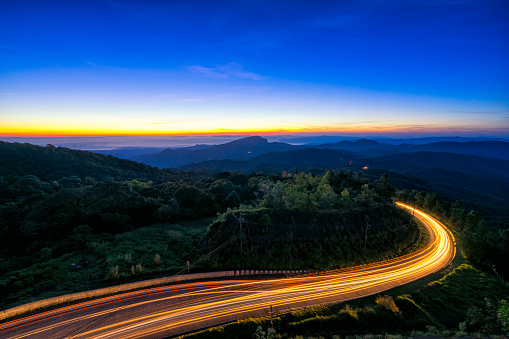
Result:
[
  {"x": 481, "y": 182},
  {"x": 302, "y": 159},
  {"x": 239, "y": 149},
  {"x": 251, "y": 147},
  {"x": 362, "y": 147},
  {"x": 329, "y": 139},
  {"x": 128, "y": 152},
  {"x": 317, "y": 140},
  {"x": 421, "y": 162},
  {"x": 491, "y": 149},
  {"x": 429, "y": 140},
  {"x": 52, "y": 162},
  {"x": 371, "y": 148}
]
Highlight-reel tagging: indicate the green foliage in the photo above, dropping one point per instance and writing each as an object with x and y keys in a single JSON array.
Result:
[
  {"x": 52, "y": 163},
  {"x": 93, "y": 221},
  {"x": 306, "y": 224},
  {"x": 402, "y": 316},
  {"x": 264, "y": 220},
  {"x": 503, "y": 314},
  {"x": 45, "y": 253},
  {"x": 261, "y": 334},
  {"x": 482, "y": 319},
  {"x": 387, "y": 302},
  {"x": 450, "y": 299},
  {"x": 483, "y": 245},
  {"x": 139, "y": 186},
  {"x": 97, "y": 260}
]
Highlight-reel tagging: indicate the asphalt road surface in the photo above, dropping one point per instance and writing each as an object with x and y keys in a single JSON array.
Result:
[{"x": 169, "y": 310}]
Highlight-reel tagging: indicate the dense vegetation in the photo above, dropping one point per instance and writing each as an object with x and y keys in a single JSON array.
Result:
[
  {"x": 53, "y": 163},
  {"x": 476, "y": 173},
  {"x": 73, "y": 220},
  {"x": 307, "y": 221},
  {"x": 480, "y": 183},
  {"x": 485, "y": 246},
  {"x": 466, "y": 302},
  {"x": 66, "y": 233},
  {"x": 87, "y": 232}
]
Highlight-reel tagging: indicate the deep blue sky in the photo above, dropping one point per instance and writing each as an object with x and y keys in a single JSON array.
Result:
[{"x": 410, "y": 67}]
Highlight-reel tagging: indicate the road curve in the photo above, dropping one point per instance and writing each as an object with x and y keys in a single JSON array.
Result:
[{"x": 170, "y": 310}]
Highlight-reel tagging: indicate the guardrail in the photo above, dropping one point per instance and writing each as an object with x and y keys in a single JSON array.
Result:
[{"x": 11, "y": 312}]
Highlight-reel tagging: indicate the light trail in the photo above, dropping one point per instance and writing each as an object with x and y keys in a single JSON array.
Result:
[{"x": 170, "y": 310}]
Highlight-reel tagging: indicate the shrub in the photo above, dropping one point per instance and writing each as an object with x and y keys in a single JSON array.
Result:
[
  {"x": 114, "y": 272},
  {"x": 388, "y": 303}
]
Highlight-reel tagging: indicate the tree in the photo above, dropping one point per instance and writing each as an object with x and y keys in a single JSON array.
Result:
[
  {"x": 221, "y": 189},
  {"x": 326, "y": 196},
  {"x": 187, "y": 195},
  {"x": 366, "y": 197},
  {"x": 168, "y": 212},
  {"x": 385, "y": 187},
  {"x": 346, "y": 200},
  {"x": 138, "y": 186},
  {"x": 232, "y": 200},
  {"x": 308, "y": 204},
  {"x": 275, "y": 198},
  {"x": 295, "y": 195},
  {"x": 483, "y": 319},
  {"x": 503, "y": 315}
]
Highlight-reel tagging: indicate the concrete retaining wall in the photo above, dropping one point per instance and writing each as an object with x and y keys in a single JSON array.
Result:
[{"x": 11, "y": 312}]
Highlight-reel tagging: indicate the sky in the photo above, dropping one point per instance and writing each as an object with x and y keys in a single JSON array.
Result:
[{"x": 180, "y": 68}]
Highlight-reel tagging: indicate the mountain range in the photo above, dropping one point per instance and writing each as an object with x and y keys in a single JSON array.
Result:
[
  {"x": 476, "y": 172},
  {"x": 239, "y": 149},
  {"x": 251, "y": 147}
]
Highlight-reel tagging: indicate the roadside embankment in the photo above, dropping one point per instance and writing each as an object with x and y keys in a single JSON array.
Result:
[{"x": 30, "y": 307}]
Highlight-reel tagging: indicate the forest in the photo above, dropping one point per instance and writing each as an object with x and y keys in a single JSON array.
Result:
[
  {"x": 87, "y": 230},
  {"x": 466, "y": 300},
  {"x": 102, "y": 221},
  {"x": 314, "y": 222}
]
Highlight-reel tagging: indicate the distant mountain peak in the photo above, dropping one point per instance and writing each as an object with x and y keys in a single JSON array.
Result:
[
  {"x": 363, "y": 141},
  {"x": 254, "y": 140}
]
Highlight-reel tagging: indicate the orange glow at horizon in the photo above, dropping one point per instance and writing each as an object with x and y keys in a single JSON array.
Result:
[{"x": 35, "y": 132}]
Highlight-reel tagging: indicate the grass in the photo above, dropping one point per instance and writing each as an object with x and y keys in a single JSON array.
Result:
[
  {"x": 432, "y": 306},
  {"x": 435, "y": 309},
  {"x": 106, "y": 260}
]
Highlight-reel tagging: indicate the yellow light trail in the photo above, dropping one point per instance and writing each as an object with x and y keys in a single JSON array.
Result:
[{"x": 169, "y": 310}]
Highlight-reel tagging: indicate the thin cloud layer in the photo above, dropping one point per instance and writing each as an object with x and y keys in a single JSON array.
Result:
[{"x": 230, "y": 70}]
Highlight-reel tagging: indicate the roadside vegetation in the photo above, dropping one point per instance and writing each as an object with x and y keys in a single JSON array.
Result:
[
  {"x": 73, "y": 234},
  {"x": 82, "y": 221},
  {"x": 466, "y": 302},
  {"x": 481, "y": 244},
  {"x": 101, "y": 260},
  {"x": 471, "y": 300},
  {"x": 314, "y": 222}
]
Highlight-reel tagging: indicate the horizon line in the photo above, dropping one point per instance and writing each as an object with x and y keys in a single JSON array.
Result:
[{"x": 393, "y": 135}]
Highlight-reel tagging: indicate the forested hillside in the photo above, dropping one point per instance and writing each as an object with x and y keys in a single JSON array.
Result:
[
  {"x": 226, "y": 156},
  {"x": 239, "y": 149},
  {"x": 73, "y": 220},
  {"x": 51, "y": 163},
  {"x": 371, "y": 148},
  {"x": 307, "y": 221},
  {"x": 480, "y": 183},
  {"x": 319, "y": 160},
  {"x": 88, "y": 222}
]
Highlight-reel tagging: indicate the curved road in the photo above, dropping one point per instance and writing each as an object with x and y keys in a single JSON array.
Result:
[{"x": 169, "y": 310}]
